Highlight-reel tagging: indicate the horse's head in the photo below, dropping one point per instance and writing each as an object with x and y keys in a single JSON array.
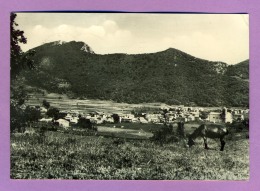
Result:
[{"x": 191, "y": 142}]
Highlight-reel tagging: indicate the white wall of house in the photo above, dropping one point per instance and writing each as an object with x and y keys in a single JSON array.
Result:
[
  {"x": 45, "y": 120},
  {"x": 63, "y": 123},
  {"x": 228, "y": 118},
  {"x": 238, "y": 117},
  {"x": 214, "y": 117}
]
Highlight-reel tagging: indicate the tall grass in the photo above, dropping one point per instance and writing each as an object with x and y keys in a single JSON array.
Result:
[{"x": 70, "y": 156}]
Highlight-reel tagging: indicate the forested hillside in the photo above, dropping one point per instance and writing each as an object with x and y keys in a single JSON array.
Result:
[{"x": 170, "y": 76}]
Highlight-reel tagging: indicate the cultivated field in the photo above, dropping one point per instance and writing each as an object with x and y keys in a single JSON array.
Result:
[
  {"x": 62, "y": 102},
  {"x": 71, "y": 155}
]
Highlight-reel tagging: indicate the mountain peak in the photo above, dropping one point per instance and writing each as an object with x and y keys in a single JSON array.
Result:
[
  {"x": 59, "y": 42},
  {"x": 74, "y": 45},
  {"x": 86, "y": 48}
]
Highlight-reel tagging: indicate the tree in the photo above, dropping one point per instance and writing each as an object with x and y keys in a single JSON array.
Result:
[
  {"x": 31, "y": 114},
  {"x": 17, "y": 121},
  {"x": 85, "y": 123},
  {"x": 204, "y": 114},
  {"x": 53, "y": 112},
  {"x": 46, "y": 104},
  {"x": 19, "y": 61},
  {"x": 18, "y": 94},
  {"x": 116, "y": 118}
]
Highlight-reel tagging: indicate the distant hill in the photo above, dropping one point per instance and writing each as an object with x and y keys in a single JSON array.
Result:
[
  {"x": 169, "y": 76},
  {"x": 236, "y": 79}
]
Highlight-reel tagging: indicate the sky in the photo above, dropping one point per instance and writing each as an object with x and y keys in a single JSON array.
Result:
[{"x": 214, "y": 37}]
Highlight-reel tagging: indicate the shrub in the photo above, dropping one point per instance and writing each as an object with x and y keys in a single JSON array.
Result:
[
  {"x": 53, "y": 112},
  {"x": 85, "y": 123},
  {"x": 17, "y": 119},
  {"x": 46, "y": 104},
  {"x": 164, "y": 135},
  {"x": 31, "y": 114}
]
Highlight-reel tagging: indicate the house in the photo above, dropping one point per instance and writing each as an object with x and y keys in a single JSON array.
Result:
[
  {"x": 98, "y": 121},
  {"x": 191, "y": 118},
  {"x": 74, "y": 113},
  {"x": 187, "y": 109},
  {"x": 214, "y": 117},
  {"x": 201, "y": 109},
  {"x": 135, "y": 120},
  {"x": 88, "y": 116},
  {"x": 43, "y": 110},
  {"x": 74, "y": 120},
  {"x": 153, "y": 118},
  {"x": 246, "y": 114},
  {"x": 104, "y": 116},
  {"x": 165, "y": 107},
  {"x": 126, "y": 120},
  {"x": 195, "y": 113},
  {"x": 127, "y": 117},
  {"x": 63, "y": 123},
  {"x": 195, "y": 109},
  {"x": 228, "y": 117},
  {"x": 47, "y": 120},
  {"x": 109, "y": 120},
  {"x": 142, "y": 120},
  {"x": 68, "y": 117},
  {"x": 180, "y": 108},
  {"x": 238, "y": 117}
]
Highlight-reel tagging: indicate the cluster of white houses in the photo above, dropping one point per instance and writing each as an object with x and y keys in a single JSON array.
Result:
[
  {"x": 165, "y": 115},
  {"x": 227, "y": 115}
]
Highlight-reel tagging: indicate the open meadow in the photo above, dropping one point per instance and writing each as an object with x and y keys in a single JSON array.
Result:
[{"x": 122, "y": 153}]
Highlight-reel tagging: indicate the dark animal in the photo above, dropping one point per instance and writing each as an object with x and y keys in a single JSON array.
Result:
[{"x": 209, "y": 131}]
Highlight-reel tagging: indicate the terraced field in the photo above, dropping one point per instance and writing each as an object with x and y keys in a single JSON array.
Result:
[{"x": 62, "y": 102}]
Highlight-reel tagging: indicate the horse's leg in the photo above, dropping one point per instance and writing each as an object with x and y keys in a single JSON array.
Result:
[
  {"x": 222, "y": 144},
  {"x": 205, "y": 142}
]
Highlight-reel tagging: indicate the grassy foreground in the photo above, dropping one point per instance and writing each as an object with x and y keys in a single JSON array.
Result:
[{"x": 69, "y": 156}]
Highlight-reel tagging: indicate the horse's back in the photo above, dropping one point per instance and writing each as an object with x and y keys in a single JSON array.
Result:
[{"x": 215, "y": 130}]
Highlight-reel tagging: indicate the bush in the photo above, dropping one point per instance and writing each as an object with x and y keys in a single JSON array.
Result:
[
  {"x": 21, "y": 118},
  {"x": 53, "y": 112},
  {"x": 41, "y": 125},
  {"x": 17, "y": 119},
  {"x": 31, "y": 114},
  {"x": 237, "y": 126},
  {"x": 85, "y": 123},
  {"x": 116, "y": 118},
  {"x": 46, "y": 104},
  {"x": 164, "y": 135}
]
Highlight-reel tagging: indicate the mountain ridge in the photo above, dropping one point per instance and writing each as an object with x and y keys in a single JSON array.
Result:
[{"x": 170, "y": 76}]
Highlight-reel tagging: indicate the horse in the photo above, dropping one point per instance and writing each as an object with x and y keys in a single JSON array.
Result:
[{"x": 209, "y": 131}]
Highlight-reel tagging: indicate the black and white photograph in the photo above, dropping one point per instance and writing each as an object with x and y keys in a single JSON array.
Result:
[{"x": 129, "y": 96}]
